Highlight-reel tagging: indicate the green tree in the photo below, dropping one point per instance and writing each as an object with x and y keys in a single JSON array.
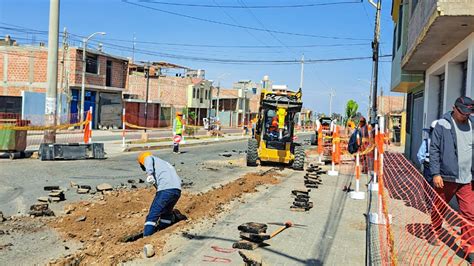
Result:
[{"x": 351, "y": 110}]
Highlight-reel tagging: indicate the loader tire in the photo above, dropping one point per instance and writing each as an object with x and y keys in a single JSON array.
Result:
[
  {"x": 252, "y": 152},
  {"x": 298, "y": 163}
]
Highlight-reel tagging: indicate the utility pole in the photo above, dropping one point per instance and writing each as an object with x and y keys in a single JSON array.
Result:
[
  {"x": 147, "y": 76},
  {"x": 133, "y": 48},
  {"x": 63, "y": 75},
  {"x": 51, "y": 93},
  {"x": 301, "y": 87},
  {"x": 218, "y": 95},
  {"x": 375, "y": 59},
  {"x": 331, "y": 94},
  {"x": 302, "y": 72},
  {"x": 210, "y": 108}
]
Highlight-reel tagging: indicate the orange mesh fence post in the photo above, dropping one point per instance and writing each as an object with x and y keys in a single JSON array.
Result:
[
  {"x": 320, "y": 142},
  {"x": 333, "y": 171},
  {"x": 357, "y": 194},
  {"x": 123, "y": 127},
  {"x": 337, "y": 142}
]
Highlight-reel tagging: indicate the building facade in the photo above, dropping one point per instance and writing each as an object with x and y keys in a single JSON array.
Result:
[
  {"x": 433, "y": 60},
  {"x": 24, "y": 76}
]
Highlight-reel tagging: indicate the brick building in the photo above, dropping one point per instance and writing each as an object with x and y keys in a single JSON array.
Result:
[{"x": 23, "y": 71}]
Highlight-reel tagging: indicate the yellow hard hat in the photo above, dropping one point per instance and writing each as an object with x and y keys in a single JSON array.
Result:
[{"x": 142, "y": 156}]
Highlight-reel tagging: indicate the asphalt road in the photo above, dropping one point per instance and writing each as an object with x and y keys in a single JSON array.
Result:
[{"x": 22, "y": 181}]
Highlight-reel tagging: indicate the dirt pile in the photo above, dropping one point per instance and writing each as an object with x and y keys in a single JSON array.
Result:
[{"x": 122, "y": 213}]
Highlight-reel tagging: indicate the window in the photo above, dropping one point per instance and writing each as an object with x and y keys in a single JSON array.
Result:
[
  {"x": 441, "y": 95},
  {"x": 108, "y": 74},
  {"x": 92, "y": 64},
  {"x": 194, "y": 93},
  {"x": 464, "y": 78},
  {"x": 399, "y": 26}
]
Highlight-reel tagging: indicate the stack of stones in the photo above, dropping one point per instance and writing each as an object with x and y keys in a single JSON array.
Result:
[
  {"x": 312, "y": 179},
  {"x": 301, "y": 201}
]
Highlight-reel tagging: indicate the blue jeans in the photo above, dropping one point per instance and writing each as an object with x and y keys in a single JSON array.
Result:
[{"x": 161, "y": 208}]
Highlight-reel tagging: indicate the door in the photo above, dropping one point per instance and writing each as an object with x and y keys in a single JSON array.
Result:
[
  {"x": 417, "y": 126},
  {"x": 89, "y": 101}
]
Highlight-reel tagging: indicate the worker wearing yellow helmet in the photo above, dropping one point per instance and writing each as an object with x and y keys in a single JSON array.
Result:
[{"x": 164, "y": 178}]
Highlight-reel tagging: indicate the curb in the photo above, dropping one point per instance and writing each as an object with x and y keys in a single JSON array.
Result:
[{"x": 161, "y": 147}]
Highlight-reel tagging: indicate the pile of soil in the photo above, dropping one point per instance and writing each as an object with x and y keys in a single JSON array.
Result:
[{"x": 123, "y": 213}]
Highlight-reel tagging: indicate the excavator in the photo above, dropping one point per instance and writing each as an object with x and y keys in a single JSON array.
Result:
[{"x": 274, "y": 140}]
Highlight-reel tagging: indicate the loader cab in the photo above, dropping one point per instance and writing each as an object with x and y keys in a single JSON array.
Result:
[{"x": 270, "y": 130}]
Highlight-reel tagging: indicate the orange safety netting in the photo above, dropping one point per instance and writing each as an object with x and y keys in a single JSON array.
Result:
[{"x": 415, "y": 208}]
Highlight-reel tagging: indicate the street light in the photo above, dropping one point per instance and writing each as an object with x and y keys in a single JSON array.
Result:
[{"x": 83, "y": 86}]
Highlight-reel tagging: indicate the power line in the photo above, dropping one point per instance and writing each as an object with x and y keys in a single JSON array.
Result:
[
  {"x": 40, "y": 32},
  {"x": 253, "y": 7},
  {"x": 238, "y": 26},
  {"x": 237, "y": 23}
]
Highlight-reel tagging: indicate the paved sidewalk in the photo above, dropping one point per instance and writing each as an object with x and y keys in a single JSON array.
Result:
[{"x": 332, "y": 233}]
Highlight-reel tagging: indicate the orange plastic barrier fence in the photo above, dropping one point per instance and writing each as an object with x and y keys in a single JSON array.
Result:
[{"x": 417, "y": 211}]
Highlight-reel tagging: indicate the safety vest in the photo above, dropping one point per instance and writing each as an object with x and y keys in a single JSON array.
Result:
[{"x": 179, "y": 126}]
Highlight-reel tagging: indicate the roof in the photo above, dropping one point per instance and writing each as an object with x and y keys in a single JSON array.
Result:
[
  {"x": 160, "y": 64},
  {"x": 97, "y": 52}
]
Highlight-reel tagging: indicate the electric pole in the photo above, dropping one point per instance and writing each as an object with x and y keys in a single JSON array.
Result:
[
  {"x": 147, "y": 76},
  {"x": 218, "y": 95},
  {"x": 52, "y": 80},
  {"x": 375, "y": 59},
  {"x": 331, "y": 94},
  {"x": 302, "y": 72},
  {"x": 63, "y": 75},
  {"x": 301, "y": 87}
]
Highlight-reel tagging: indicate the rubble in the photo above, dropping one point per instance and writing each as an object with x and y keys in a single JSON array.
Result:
[
  {"x": 43, "y": 199},
  {"x": 56, "y": 195},
  {"x": 104, "y": 187},
  {"x": 50, "y": 188},
  {"x": 251, "y": 258},
  {"x": 2, "y": 217},
  {"x": 82, "y": 191},
  {"x": 40, "y": 209},
  {"x": 148, "y": 251},
  {"x": 81, "y": 219},
  {"x": 110, "y": 250}
]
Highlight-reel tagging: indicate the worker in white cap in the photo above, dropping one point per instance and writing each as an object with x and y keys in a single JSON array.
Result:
[{"x": 423, "y": 154}]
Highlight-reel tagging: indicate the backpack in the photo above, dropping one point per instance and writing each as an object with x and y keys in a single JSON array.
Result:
[{"x": 353, "y": 146}]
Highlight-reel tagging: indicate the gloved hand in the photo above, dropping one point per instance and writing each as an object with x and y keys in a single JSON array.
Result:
[{"x": 150, "y": 180}]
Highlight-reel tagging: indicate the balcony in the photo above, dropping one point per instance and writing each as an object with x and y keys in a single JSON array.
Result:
[{"x": 436, "y": 27}]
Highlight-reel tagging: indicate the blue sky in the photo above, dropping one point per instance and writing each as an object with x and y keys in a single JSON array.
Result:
[{"x": 350, "y": 25}]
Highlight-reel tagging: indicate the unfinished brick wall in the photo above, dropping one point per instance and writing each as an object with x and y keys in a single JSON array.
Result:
[
  {"x": 170, "y": 91},
  {"x": 27, "y": 69}
]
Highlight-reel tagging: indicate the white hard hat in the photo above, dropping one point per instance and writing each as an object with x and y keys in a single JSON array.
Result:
[{"x": 434, "y": 123}]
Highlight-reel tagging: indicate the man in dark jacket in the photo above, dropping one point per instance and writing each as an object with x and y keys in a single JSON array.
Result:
[{"x": 451, "y": 164}]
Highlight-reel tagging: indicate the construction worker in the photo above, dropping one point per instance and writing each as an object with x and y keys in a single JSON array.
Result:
[
  {"x": 177, "y": 131},
  {"x": 164, "y": 178}
]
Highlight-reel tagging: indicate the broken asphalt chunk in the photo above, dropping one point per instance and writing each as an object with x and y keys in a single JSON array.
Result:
[
  {"x": 40, "y": 209},
  {"x": 104, "y": 187},
  {"x": 49, "y": 188},
  {"x": 81, "y": 219},
  {"x": 253, "y": 227}
]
